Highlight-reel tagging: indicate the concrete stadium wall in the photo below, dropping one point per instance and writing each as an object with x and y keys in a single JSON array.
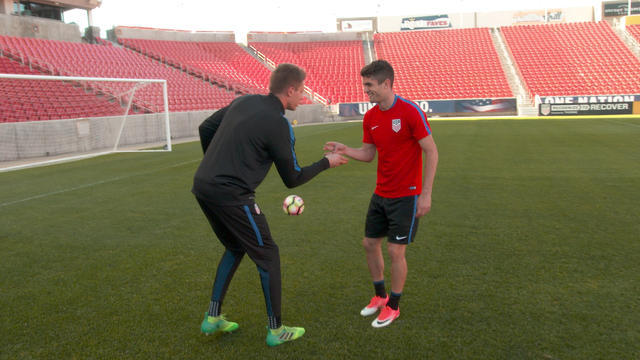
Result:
[
  {"x": 34, "y": 27},
  {"x": 308, "y": 114},
  {"x": 393, "y": 23},
  {"x": 304, "y": 37},
  {"x": 508, "y": 18},
  {"x": 37, "y": 139},
  {"x": 492, "y": 19},
  {"x": 172, "y": 35}
]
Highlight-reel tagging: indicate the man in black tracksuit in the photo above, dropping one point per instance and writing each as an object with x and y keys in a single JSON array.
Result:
[{"x": 240, "y": 142}]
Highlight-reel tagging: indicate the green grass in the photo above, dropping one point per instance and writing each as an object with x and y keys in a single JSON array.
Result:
[{"x": 531, "y": 251}]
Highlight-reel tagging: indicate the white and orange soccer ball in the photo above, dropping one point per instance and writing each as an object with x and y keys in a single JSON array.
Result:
[{"x": 293, "y": 205}]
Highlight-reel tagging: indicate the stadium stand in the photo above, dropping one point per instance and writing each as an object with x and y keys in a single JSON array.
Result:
[
  {"x": 444, "y": 64},
  {"x": 225, "y": 63},
  {"x": 570, "y": 59},
  {"x": 333, "y": 67},
  {"x": 78, "y": 59},
  {"x": 634, "y": 31},
  {"x": 58, "y": 100}
]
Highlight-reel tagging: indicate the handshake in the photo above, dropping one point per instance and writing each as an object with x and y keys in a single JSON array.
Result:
[{"x": 334, "y": 152}]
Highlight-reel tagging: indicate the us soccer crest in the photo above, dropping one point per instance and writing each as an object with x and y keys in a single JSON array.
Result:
[
  {"x": 545, "y": 109},
  {"x": 396, "y": 125}
]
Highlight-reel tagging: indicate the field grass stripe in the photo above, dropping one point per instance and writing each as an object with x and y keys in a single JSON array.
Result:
[
  {"x": 622, "y": 123},
  {"x": 40, "y": 196}
]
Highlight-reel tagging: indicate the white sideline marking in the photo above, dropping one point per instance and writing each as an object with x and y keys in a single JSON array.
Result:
[{"x": 93, "y": 184}]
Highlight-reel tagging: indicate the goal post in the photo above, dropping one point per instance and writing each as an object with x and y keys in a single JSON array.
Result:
[{"x": 47, "y": 119}]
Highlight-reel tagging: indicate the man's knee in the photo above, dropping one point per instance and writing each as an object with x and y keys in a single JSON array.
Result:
[
  {"x": 396, "y": 251},
  {"x": 371, "y": 244}
]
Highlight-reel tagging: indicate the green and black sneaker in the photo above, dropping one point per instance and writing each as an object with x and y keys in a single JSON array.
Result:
[
  {"x": 283, "y": 334},
  {"x": 211, "y": 324}
]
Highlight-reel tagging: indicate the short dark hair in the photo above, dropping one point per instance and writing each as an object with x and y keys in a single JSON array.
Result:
[
  {"x": 380, "y": 70},
  {"x": 284, "y": 76}
]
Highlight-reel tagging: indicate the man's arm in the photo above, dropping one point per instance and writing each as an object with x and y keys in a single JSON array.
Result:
[
  {"x": 431, "y": 154},
  {"x": 364, "y": 153},
  {"x": 292, "y": 175},
  {"x": 209, "y": 127}
]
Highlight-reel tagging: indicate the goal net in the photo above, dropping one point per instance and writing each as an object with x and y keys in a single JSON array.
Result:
[{"x": 48, "y": 119}]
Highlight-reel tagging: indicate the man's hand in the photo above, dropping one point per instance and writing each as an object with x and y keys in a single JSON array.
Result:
[
  {"x": 336, "y": 159},
  {"x": 335, "y": 147},
  {"x": 424, "y": 205}
]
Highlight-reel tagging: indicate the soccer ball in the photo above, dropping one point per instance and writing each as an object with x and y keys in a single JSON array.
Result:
[{"x": 293, "y": 205}]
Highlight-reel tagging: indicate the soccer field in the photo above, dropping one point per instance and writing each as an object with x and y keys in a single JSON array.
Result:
[{"x": 531, "y": 251}]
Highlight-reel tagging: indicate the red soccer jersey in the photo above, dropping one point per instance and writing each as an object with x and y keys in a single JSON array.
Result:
[{"x": 395, "y": 133}]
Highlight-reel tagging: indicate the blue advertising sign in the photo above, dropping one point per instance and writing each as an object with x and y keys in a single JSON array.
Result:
[
  {"x": 425, "y": 22},
  {"x": 442, "y": 107},
  {"x": 595, "y": 99},
  {"x": 616, "y": 108}
]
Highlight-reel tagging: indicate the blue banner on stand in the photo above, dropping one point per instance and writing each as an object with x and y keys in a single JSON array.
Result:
[
  {"x": 425, "y": 22},
  {"x": 589, "y": 99},
  {"x": 442, "y": 107}
]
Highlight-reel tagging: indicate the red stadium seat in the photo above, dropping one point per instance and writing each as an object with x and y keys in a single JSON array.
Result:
[
  {"x": 223, "y": 62},
  {"x": 19, "y": 104},
  {"x": 79, "y": 59},
  {"x": 333, "y": 67},
  {"x": 444, "y": 64},
  {"x": 570, "y": 59}
]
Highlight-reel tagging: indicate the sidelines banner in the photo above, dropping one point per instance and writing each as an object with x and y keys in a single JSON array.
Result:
[
  {"x": 588, "y": 99},
  {"x": 425, "y": 22},
  {"x": 620, "y": 8},
  {"x": 616, "y": 108},
  {"x": 443, "y": 107},
  {"x": 356, "y": 24},
  {"x": 538, "y": 17},
  {"x": 486, "y": 105}
]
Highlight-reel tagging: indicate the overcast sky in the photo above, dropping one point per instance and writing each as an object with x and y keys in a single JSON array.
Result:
[{"x": 283, "y": 15}]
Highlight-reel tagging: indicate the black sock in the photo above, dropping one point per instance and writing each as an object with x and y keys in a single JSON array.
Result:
[
  {"x": 379, "y": 287},
  {"x": 275, "y": 322},
  {"x": 214, "y": 308},
  {"x": 394, "y": 299}
]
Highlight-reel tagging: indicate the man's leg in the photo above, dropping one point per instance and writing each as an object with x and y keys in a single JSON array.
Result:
[
  {"x": 403, "y": 226},
  {"x": 213, "y": 319},
  {"x": 375, "y": 260},
  {"x": 226, "y": 269},
  {"x": 398, "y": 272},
  {"x": 391, "y": 310},
  {"x": 376, "y": 227},
  {"x": 402, "y": 230},
  {"x": 256, "y": 239}
]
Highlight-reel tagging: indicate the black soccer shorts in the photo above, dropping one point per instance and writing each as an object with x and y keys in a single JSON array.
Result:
[{"x": 392, "y": 217}]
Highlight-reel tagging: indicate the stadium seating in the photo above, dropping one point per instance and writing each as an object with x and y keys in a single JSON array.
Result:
[
  {"x": 78, "y": 59},
  {"x": 225, "y": 63},
  {"x": 634, "y": 30},
  {"x": 444, "y": 64},
  {"x": 333, "y": 67},
  {"x": 567, "y": 59},
  {"x": 573, "y": 59},
  {"x": 56, "y": 100}
]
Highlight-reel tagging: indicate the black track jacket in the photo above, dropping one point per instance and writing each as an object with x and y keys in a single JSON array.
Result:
[{"x": 240, "y": 142}]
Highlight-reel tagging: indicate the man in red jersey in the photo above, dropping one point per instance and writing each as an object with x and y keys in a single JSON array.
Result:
[{"x": 398, "y": 130}]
